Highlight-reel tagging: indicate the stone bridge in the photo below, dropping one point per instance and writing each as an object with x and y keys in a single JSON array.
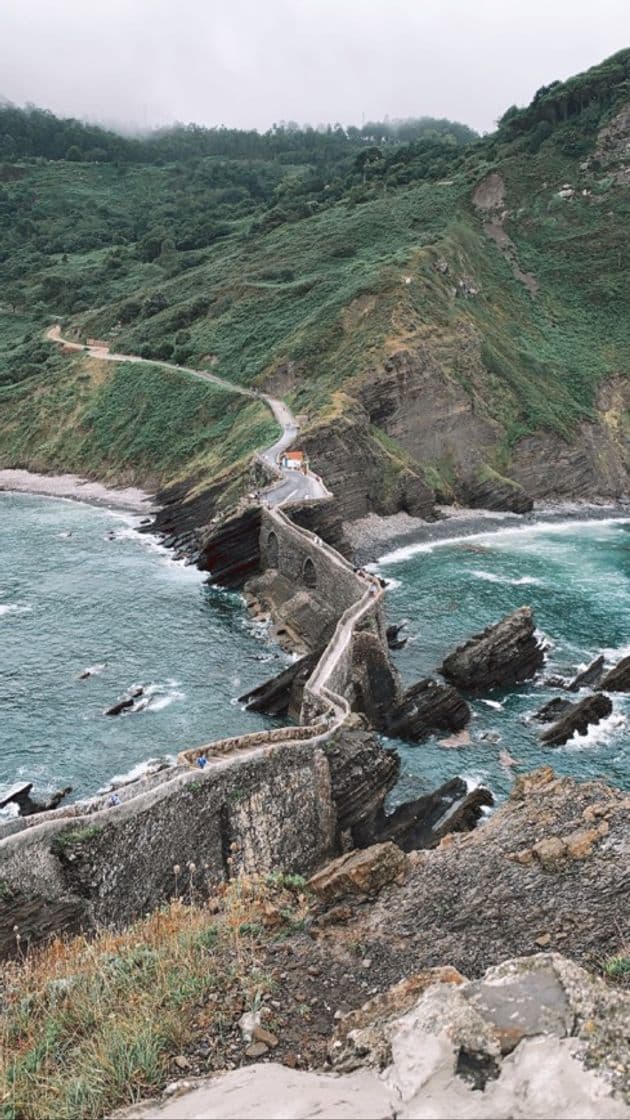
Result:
[{"x": 252, "y": 802}]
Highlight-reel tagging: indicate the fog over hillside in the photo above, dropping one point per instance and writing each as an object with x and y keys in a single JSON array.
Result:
[{"x": 141, "y": 63}]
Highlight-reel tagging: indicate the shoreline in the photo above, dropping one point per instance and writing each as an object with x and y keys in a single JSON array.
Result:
[
  {"x": 127, "y": 499},
  {"x": 374, "y": 538}
]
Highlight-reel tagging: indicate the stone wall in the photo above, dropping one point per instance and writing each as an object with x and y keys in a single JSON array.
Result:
[
  {"x": 292, "y": 550},
  {"x": 272, "y": 810}
]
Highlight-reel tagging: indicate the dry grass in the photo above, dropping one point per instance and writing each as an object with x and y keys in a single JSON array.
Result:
[{"x": 88, "y": 1025}]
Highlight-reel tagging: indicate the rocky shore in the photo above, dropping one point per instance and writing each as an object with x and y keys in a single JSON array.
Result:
[{"x": 373, "y": 537}]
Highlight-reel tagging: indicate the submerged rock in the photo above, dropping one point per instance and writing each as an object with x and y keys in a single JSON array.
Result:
[
  {"x": 425, "y": 707},
  {"x": 501, "y": 655},
  {"x": 553, "y": 709},
  {"x": 617, "y": 679},
  {"x": 127, "y": 702},
  {"x": 578, "y": 718}
]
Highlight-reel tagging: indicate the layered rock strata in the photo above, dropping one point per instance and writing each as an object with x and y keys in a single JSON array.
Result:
[{"x": 500, "y": 655}]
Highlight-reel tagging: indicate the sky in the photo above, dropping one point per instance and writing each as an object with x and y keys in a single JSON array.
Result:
[{"x": 250, "y": 63}]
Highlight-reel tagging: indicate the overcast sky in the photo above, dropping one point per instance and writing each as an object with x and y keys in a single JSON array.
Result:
[{"x": 249, "y": 63}]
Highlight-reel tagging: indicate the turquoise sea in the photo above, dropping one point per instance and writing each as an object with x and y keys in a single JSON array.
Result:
[
  {"x": 80, "y": 588},
  {"x": 575, "y": 575}
]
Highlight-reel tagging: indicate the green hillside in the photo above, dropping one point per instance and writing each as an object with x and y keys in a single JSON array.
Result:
[{"x": 312, "y": 258}]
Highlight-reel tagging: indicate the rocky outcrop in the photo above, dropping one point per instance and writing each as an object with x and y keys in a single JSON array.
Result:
[
  {"x": 363, "y": 474},
  {"x": 496, "y": 493},
  {"x": 618, "y": 678},
  {"x": 20, "y": 795},
  {"x": 553, "y": 709},
  {"x": 324, "y": 518},
  {"x": 282, "y": 695},
  {"x": 393, "y": 634},
  {"x": 577, "y": 719},
  {"x": 362, "y": 872},
  {"x": 493, "y": 893},
  {"x": 589, "y": 676},
  {"x": 426, "y": 707},
  {"x": 501, "y": 655},
  {"x": 375, "y": 681},
  {"x": 423, "y": 822},
  {"x": 362, "y": 773},
  {"x": 230, "y": 551},
  {"x": 596, "y": 463}
]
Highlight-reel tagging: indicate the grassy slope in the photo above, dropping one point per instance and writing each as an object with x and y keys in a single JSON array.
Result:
[
  {"x": 88, "y": 1026},
  {"x": 128, "y": 423},
  {"x": 326, "y": 293}
]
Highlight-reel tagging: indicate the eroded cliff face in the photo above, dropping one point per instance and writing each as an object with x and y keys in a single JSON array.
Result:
[{"x": 595, "y": 463}]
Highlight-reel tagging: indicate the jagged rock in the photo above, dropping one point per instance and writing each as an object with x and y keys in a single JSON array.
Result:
[
  {"x": 362, "y": 773},
  {"x": 590, "y": 710},
  {"x": 282, "y": 695},
  {"x": 362, "y": 872},
  {"x": 394, "y": 640},
  {"x": 553, "y": 709},
  {"x": 617, "y": 679},
  {"x": 423, "y": 822},
  {"x": 375, "y": 680},
  {"x": 497, "y": 494},
  {"x": 589, "y": 676},
  {"x": 20, "y": 795},
  {"x": 480, "y": 898},
  {"x": 500, "y": 655},
  {"x": 230, "y": 551},
  {"x": 425, "y": 707}
]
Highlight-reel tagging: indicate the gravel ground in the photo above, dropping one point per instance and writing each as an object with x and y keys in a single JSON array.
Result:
[{"x": 130, "y": 498}]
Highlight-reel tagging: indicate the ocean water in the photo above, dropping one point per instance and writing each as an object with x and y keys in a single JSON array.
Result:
[
  {"x": 575, "y": 575},
  {"x": 79, "y": 588}
]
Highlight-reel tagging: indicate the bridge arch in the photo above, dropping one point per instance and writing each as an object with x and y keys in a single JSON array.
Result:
[
  {"x": 309, "y": 573},
  {"x": 273, "y": 550}
]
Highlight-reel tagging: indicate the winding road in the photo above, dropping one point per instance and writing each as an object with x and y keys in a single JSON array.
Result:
[
  {"x": 294, "y": 485},
  {"x": 329, "y": 710}
]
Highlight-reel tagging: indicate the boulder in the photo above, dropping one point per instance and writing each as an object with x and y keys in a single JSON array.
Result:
[
  {"x": 425, "y": 707},
  {"x": 617, "y": 679},
  {"x": 423, "y": 822},
  {"x": 578, "y": 718},
  {"x": 499, "y": 656},
  {"x": 394, "y": 640},
  {"x": 359, "y": 873}
]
